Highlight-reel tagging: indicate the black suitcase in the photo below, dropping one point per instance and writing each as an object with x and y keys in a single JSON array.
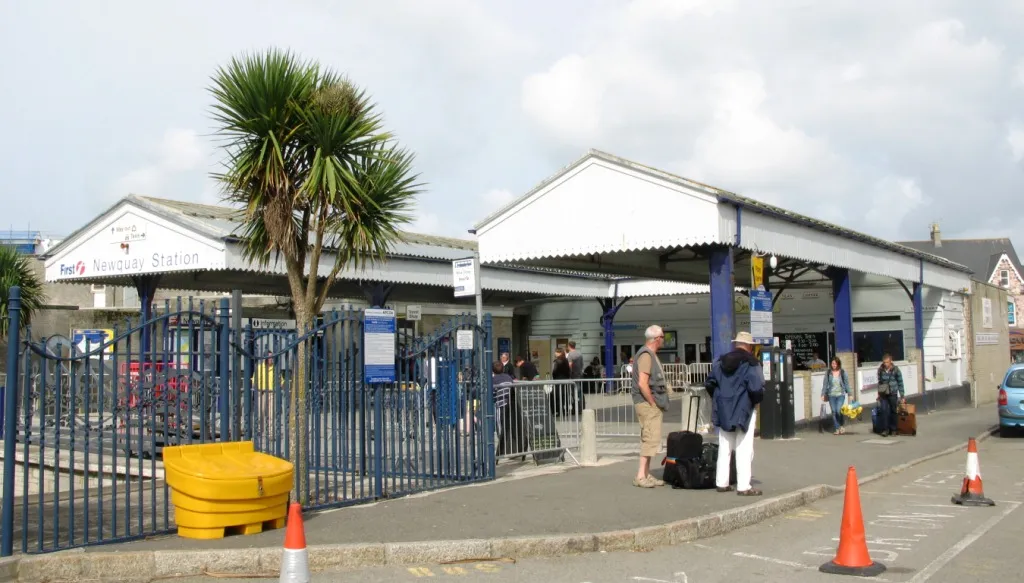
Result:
[{"x": 681, "y": 448}]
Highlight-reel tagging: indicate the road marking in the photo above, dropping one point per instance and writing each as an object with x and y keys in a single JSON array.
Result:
[
  {"x": 951, "y": 553},
  {"x": 421, "y": 572},
  {"x": 453, "y": 570},
  {"x": 775, "y": 561},
  {"x": 679, "y": 577},
  {"x": 487, "y": 568}
]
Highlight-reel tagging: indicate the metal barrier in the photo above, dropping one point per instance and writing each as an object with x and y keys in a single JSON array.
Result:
[
  {"x": 697, "y": 373},
  {"x": 86, "y": 425},
  {"x": 539, "y": 419}
]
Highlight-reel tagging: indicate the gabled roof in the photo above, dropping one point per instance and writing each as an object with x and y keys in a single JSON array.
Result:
[
  {"x": 415, "y": 252},
  {"x": 735, "y": 199},
  {"x": 980, "y": 255}
]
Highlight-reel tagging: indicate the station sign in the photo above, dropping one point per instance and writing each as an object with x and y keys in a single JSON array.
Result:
[{"x": 270, "y": 324}]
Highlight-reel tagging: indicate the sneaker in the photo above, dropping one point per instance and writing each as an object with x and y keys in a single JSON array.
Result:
[
  {"x": 642, "y": 483},
  {"x": 655, "y": 481}
]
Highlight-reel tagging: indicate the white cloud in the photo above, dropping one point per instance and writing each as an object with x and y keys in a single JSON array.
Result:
[
  {"x": 179, "y": 151},
  {"x": 497, "y": 198},
  {"x": 1015, "y": 139},
  {"x": 427, "y": 223},
  {"x": 828, "y": 110}
]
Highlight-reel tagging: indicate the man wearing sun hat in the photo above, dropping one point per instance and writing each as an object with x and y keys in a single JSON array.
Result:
[{"x": 736, "y": 386}]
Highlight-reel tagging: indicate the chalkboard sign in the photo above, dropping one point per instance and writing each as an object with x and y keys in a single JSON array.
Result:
[
  {"x": 537, "y": 422},
  {"x": 805, "y": 345}
]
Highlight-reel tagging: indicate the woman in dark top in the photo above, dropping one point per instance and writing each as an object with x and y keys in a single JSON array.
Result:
[
  {"x": 562, "y": 393},
  {"x": 560, "y": 367}
]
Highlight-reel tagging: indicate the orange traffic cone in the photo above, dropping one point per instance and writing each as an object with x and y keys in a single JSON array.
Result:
[
  {"x": 972, "y": 494},
  {"x": 295, "y": 560},
  {"x": 852, "y": 556}
]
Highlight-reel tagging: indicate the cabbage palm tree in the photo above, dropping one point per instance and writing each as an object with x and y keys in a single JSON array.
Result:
[
  {"x": 16, "y": 269},
  {"x": 308, "y": 159}
]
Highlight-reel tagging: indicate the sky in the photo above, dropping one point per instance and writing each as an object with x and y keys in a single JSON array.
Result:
[{"x": 881, "y": 116}]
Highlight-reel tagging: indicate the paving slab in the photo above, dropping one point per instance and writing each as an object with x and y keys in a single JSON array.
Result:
[
  {"x": 602, "y": 499},
  {"x": 911, "y": 527}
]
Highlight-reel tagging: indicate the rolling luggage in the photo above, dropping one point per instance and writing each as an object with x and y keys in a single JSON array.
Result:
[
  {"x": 877, "y": 423},
  {"x": 906, "y": 420},
  {"x": 690, "y": 463}
]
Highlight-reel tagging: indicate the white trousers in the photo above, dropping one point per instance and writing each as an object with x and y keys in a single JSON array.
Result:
[{"x": 742, "y": 443}]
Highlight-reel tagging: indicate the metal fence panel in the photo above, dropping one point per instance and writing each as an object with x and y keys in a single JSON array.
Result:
[
  {"x": 89, "y": 422},
  {"x": 539, "y": 418}
]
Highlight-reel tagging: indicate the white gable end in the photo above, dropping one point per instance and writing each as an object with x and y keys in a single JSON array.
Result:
[
  {"x": 130, "y": 241},
  {"x": 592, "y": 209}
]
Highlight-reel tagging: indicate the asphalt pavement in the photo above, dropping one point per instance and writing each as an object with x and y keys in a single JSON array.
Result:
[
  {"x": 599, "y": 499},
  {"x": 911, "y": 526}
]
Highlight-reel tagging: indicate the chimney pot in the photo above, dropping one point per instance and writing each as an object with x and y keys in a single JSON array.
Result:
[{"x": 936, "y": 235}]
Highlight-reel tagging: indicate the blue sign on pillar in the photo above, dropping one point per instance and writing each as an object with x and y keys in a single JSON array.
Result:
[{"x": 761, "y": 316}]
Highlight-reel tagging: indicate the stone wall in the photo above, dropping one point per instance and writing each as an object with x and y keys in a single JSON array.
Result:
[{"x": 988, "y": 347}]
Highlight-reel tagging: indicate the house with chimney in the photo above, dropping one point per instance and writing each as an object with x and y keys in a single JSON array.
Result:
[{"x": 993, "y": 261}]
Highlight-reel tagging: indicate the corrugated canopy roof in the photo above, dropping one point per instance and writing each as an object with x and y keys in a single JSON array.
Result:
[{"x": 737, "y": 199}]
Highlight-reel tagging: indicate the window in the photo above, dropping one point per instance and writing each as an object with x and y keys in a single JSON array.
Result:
[
  {"x": 1015, "y": 380},
  {"x": 1004, "y": 278},
  {"x": 953, "y": 338},
  {"x": 1011, "y": 313},
  {"x": 871, "y": 346}
]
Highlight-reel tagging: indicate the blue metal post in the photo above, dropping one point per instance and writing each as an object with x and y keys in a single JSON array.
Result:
[
  {"x": 842, "y": 308},
  {"x": 723, "y": 311},
  {"x": 224, "y": 358},
  {"x": 146, "y": 286},
  {"x": 489, "y": 430},
  {"x": 10, "y": 406},
  {"x": 919, "y": 332},
  {"x": 609, "y": 308}
]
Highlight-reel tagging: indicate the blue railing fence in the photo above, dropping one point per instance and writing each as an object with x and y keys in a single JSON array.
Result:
[{"x": 82, "y": 464}]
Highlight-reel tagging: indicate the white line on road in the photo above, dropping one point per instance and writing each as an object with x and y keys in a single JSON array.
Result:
[
  {"x": 775, "y": 561},
  {"x": 951, "y": 553},
  {"x": 790, "y": 564}
]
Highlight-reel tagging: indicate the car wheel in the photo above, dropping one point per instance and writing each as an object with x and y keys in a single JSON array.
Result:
[{"x": 1005, "y": 432}]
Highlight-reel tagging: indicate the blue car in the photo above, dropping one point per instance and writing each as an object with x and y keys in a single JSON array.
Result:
[{"x": 1011, "y": 400}]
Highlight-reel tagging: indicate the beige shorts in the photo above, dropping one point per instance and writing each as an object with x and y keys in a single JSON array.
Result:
[{"x": 650, "y": 418}]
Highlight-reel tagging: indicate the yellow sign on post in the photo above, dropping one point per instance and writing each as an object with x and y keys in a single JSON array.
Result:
[{"x": 757, "y": 272}]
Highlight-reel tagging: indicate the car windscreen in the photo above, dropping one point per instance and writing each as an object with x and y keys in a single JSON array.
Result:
[{"x": 1015, "y": 380}]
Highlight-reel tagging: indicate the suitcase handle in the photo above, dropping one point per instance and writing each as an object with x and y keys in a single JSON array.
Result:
[{"x": 693, "y": 412}]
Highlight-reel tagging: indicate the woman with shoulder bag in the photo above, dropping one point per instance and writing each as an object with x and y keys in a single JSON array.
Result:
[
  {"x": 890, "y": 394},
  {"x": 834, "y": 390}
]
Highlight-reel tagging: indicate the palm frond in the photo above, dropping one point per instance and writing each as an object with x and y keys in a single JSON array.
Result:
[{"x": 17, "y": 270}]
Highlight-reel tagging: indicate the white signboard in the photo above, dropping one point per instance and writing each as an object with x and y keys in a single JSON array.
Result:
[
  {"x": 127, "y": 229},
  {"x": 986, "y": 312},
  {"x": 986, "y": 339},
  {"x": 464, "y": 277},
  {"x": 271, "y": 324},
  {"x": 464, "y": 340},
  {"x": 130, "y": 245},
  {"x": 379, "y": 345},
  {"x": 414, "y": 313}
]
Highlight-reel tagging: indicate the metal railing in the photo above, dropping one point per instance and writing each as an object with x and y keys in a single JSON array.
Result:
[{"x": 539, "y": 419}]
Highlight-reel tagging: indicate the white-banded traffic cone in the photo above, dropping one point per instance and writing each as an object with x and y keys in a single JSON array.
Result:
[
  {"x": 972, "y": 493},
  {"x": 295, "y": 560}
]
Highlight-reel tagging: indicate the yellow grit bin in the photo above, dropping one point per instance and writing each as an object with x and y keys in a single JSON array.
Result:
[{"x": 226, "y": 488}]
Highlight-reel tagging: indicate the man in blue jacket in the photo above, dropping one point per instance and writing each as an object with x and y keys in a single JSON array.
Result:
[{"x": 736, "y": 385}]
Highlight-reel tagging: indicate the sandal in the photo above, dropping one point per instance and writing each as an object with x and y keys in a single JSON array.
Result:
[
  {"x": 655, "y": 481},
  {"x": 750, "y": 492},
  {"x": 723, "y": 490}
]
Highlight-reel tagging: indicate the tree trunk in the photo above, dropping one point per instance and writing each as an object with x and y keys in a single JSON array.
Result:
[{"x": 298, "y": 435}]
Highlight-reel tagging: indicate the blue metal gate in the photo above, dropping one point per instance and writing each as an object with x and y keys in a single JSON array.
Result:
[{"x": 86, "y": 424}]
